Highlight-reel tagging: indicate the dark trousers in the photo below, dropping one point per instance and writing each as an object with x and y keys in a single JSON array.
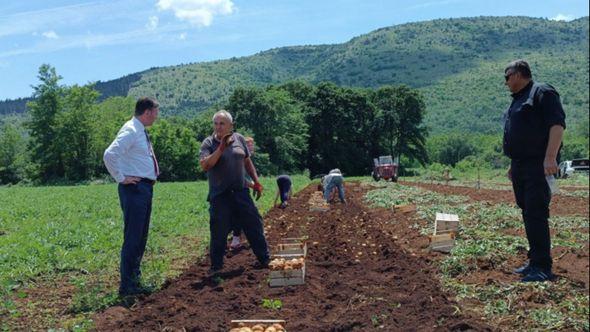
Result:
[
  {"x": 284, "y": 184},
  {"x": 533, "y": 196},
  {"x": 235, "y": 206},
  {"x": 136, "y": 202}
]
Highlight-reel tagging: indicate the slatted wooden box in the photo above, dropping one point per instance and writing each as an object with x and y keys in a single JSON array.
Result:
[
  {"x": 442, "y": 242},
  {"x": 446, "y": 223},
  {"x": 406, "y": 208},
  {"x": 292, "y": 246},
  {"x": 236, "y": 324},
  {"x": 288, "y": 249}
]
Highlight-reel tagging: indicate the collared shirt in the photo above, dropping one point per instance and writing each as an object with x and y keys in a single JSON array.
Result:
[
  {"x": 129, "y": 154},
  {"x": 228, "y": 173},
  {"x": 533, "y": 111}
]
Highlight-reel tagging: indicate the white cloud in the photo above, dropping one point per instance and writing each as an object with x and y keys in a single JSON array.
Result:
[
  {"x": 182, "y": 36},
  {"x": 50, "y": 34},
  {"x": 152, "y": 23},
  {"x": 197, "y": 12},
  {"x": 563, "y": 17}
]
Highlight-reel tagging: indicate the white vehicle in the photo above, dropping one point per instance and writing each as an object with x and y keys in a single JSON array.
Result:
[{"x": 568, "y": 167}]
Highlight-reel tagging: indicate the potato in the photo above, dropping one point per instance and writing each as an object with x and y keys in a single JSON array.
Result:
[
  {"x": 246, "y": 329},
  {"x": 278, "y": 327},
  {"x": 258, "y": 328},
  {"x": 237, "y": 329},
  {"x": 270, "y": 329}
]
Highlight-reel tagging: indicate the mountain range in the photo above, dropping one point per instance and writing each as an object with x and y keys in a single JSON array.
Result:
[{"x": 458, "y": 65}]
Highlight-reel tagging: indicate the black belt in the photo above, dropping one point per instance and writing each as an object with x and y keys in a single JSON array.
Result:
[{"x": 149, "y": 181}]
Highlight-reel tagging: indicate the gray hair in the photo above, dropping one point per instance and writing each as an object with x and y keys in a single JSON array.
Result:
[
  {"x": 520, "y": 66},
  {"x": 225, "y": 114}
]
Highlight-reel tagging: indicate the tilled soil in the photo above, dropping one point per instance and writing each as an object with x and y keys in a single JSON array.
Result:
[
  {"x": 570, "y": 263},
  {"x": 560, "y": 204},
  {"x": 363, "y": 273}
]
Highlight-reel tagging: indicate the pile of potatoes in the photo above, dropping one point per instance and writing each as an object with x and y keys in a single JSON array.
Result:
[
  {"x": 278, "y": 264},
  {"x": 259, "y": 328},
  {"x": 317, "y": 200}
]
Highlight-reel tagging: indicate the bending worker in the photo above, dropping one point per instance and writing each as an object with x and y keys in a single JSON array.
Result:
[{"x": 333, "y": 179}]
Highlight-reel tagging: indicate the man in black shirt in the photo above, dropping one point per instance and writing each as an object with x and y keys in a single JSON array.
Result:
[{"x": 533, "y": 130}]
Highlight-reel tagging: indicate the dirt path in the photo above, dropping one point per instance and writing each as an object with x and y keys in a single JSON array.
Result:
[{"x": 362, "y": 275}]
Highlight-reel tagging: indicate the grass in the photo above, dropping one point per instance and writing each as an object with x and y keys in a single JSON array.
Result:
[
  {"x": 70, "y": 237},
  {"x": 486, "y": 239}
]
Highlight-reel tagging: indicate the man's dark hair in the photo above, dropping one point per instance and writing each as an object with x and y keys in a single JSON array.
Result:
[
  {"x": 520, "y": 66},
  {"x": 145, "y": 103}
]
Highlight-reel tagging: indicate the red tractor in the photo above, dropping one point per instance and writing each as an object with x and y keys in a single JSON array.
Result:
[{"x": 385, "y": 168}]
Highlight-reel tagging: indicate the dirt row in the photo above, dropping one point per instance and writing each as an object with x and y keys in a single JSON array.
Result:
[
  {"x": 570, "y": 263},
  {"x": 560, "y": 204},
  {"x": 366, "y": 270}
]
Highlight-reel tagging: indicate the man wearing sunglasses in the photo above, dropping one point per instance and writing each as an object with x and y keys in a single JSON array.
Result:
[{"x": 533, "y": 130}]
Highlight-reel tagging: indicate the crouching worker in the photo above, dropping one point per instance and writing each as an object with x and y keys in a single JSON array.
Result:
[
  {"x": 225, "y": 157},
  {"x": 284, "y": 190},
  {"x": 334, "y": 179}
]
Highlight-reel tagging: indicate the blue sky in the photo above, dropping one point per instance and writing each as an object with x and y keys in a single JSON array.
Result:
[{"x": 102, "y": 40}]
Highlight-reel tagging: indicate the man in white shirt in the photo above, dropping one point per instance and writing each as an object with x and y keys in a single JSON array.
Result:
[{"x": 131, "y": 161}]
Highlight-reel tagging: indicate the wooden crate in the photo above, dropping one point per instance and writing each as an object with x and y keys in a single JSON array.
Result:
[
  {"x": 407, "y": 208},
  {"x": 316, "y": 208},
  {"x": 238, "y": 323},
  {"x": 445, "y": 223},
  {"x": 292, "y": 246},
  {"x": 442, "y": 242},
  {"x": 287, "y": 277}
]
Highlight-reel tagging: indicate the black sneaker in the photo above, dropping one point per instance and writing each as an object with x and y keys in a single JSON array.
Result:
[
  {"x": 141, "y": 290},
  {"x": 259, "y": 265},
  {"x": 213, "y": 270},
  {"x": 523, "y": 270},
  {"x": 538, "y": 275}
]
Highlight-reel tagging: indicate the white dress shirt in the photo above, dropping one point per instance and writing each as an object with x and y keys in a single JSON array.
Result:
[{"x": 129, "y": 154}]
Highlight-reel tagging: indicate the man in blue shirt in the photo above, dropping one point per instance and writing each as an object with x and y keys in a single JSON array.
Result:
[
  {"x": 533, "y": 130},
  {"x": 131, "y": 161}
]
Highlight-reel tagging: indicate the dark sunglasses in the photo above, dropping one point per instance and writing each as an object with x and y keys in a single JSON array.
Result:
[{"x": 507, "y": 76}]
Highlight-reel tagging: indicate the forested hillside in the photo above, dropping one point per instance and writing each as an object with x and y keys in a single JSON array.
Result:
[{"x": 457, "y": 64}]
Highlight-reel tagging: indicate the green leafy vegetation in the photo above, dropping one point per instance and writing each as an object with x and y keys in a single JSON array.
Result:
[
  {"x": 486, "y": 241},
  {"x": 273, "y": 304},
  {"x": 69, "y": 238}
]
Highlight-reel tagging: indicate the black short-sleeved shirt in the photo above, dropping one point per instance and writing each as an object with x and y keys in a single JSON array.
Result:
[
  {"x": 533, "y": 111},
  {"x": 228, "y": 172}
]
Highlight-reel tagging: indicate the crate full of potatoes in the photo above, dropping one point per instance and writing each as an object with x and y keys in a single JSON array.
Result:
[{"x": 258, "y": 325}]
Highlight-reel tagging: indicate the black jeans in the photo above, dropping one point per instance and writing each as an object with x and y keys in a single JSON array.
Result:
[
  {"x": 235, "y": 206},
  {"x": 136, "y": 202},
  {"x": 533, "y": 196}
]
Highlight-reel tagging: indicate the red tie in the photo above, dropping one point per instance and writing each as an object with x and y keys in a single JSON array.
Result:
[{"x": 152, "y": 154}]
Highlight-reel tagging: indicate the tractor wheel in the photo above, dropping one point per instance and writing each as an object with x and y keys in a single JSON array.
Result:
[{"x": 376, "y": 176}]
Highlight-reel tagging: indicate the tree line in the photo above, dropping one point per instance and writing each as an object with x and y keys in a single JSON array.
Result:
[{"x": 296, "y": 126}]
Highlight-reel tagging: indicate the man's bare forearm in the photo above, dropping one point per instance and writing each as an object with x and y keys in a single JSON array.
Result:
[
  {"x": 208, "y": 162},
  {"x": 555, "y": 137}
]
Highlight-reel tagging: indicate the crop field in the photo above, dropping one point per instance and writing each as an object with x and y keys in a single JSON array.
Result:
[
  {"x": 59, "y": 247},
  {"x": 368, "y": 266}
]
